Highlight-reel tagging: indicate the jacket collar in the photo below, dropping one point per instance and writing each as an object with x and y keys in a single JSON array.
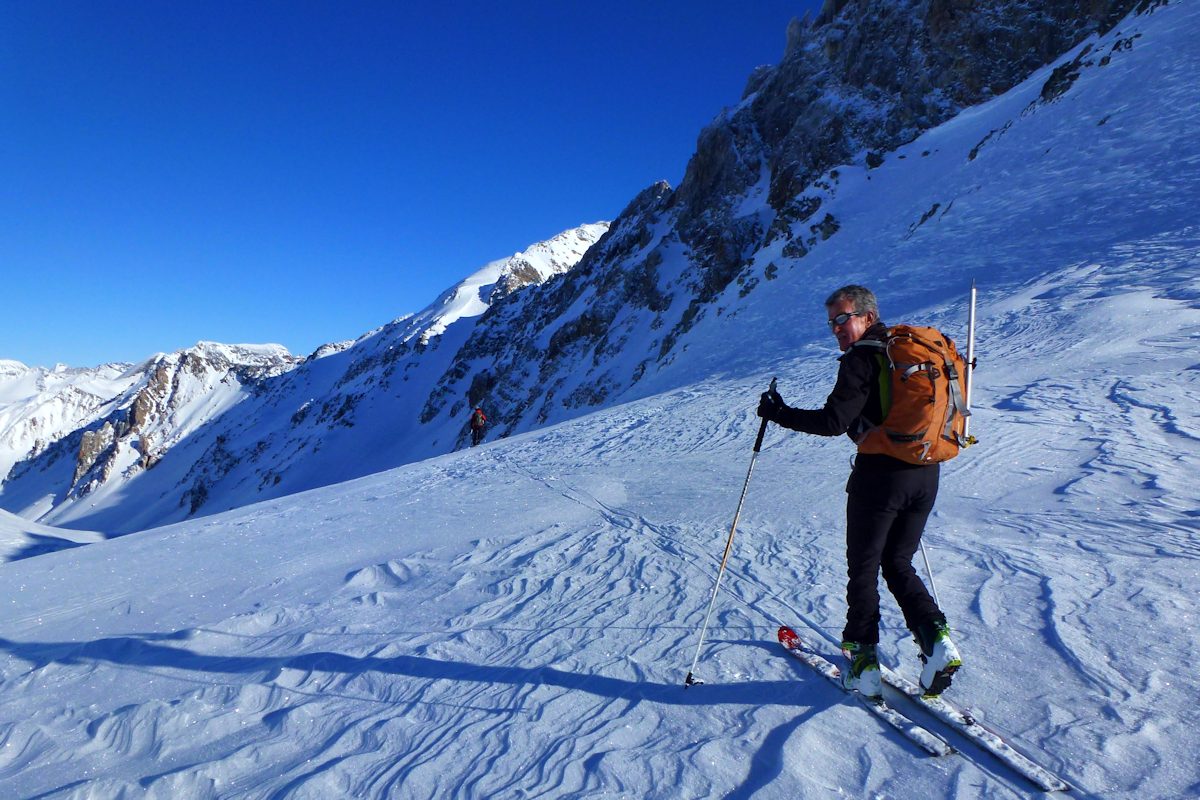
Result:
[{"x": 876, "y": 333}]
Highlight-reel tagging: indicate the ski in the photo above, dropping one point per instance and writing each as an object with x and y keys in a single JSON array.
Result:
[
  {"x": 926, "y": 740},
  {"x": 970, "y": 727}
]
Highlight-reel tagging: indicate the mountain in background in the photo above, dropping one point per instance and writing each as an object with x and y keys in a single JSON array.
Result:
[
  {"x": 123, "y": 447},
  {"x": 815, "y": 158},
  {"x": 759, "y": 197}
]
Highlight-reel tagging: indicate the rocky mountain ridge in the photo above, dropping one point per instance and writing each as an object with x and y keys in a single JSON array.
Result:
[
  {"x": 762, "y": 212},
  {"x": 127, "y": 423},
  {"x": 855, "y": 83}
]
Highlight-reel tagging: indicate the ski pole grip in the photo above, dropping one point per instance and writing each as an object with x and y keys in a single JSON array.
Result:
[{"x": 762, "y": 429}]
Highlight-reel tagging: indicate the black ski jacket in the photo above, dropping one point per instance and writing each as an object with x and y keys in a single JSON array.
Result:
[
  {"x": 854, "y": 404},
  {"x": 853, "y": 407}
]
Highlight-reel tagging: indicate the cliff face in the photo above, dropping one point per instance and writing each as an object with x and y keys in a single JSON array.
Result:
[
  {"x": 854, "y": 84},
  {"x": 859, "y": 80}
]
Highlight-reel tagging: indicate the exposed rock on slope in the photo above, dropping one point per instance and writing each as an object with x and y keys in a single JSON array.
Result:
[{"x": 855, "y": 83}]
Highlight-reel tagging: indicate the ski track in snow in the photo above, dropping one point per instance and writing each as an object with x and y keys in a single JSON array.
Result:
[{"x": 358, "y": 696}]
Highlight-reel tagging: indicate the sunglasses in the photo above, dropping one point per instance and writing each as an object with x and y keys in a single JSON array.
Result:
[{"x": 842, "y": 319}]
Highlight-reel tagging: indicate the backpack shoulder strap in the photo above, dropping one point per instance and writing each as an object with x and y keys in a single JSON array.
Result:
[{"x": 878, "y": 344}]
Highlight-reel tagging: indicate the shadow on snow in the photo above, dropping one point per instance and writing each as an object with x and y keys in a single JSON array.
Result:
[{"x": 147, "y": 650}]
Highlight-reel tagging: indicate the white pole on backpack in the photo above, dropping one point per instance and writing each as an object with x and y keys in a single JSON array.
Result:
[
  {"x": 966, "y": 422},
  {"x": 970, "y": 362}
]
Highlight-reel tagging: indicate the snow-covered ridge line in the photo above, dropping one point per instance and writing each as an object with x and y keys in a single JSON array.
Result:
[
  {"x": 129, "y": 419},
  {"x": 475, "y": 294}
]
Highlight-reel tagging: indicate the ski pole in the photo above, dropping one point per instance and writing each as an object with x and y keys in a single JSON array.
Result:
[
  {"x": 762, "y": 431},
  {"x": 929, "y": 571}
]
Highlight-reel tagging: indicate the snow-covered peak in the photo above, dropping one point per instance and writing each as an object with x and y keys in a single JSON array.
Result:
[
  {"x": 331, "y": 348},
  {"x": 38, "y": 406},
  {"x": 536, "y": 264},
  {"x": 224, "y": 355},
  {"x": 240, "y": 353},
  {"x": 11, "y": 369},
  {"x": 71, "y": 430},
  {"x": 555, "y": 256}
]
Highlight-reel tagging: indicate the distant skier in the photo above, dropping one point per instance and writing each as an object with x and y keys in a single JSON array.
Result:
[
  {"x": 889, "y": 501},
  {"x": 478, "y": 426}
]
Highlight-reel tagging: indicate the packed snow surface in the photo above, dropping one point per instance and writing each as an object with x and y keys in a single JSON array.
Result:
[{"x": 515, "y": 620}]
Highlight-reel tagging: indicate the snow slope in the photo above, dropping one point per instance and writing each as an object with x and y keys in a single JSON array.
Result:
[
  {"x": 516, "y": 620},
  {"x": 20, "y": 538}
]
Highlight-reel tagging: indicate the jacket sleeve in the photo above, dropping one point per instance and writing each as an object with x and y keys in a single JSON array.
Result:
[{"x": 844, "y": 405}]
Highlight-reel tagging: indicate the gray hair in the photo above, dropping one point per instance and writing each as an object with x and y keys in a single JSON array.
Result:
[{"x": 863, "y": 299}]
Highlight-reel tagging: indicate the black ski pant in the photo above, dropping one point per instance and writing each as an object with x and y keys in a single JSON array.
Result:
[{"x": 886, "y": 511}]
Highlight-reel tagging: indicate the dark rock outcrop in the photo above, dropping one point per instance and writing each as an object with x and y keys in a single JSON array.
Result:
[{"x": 859, "y": 80}]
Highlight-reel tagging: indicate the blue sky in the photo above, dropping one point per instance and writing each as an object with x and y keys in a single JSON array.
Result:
[{"x": 301, "y": 172}]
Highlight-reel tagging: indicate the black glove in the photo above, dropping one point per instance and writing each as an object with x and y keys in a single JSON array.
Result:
[{"x": 770, "y": 405}]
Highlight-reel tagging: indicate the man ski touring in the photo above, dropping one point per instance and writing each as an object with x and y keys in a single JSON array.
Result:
[
  {"x": 888, "y": 503},
  {"x": 478, "y": 425}
]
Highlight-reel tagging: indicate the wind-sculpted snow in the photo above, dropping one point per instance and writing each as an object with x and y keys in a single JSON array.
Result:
[{"x": 516, "y": 619}]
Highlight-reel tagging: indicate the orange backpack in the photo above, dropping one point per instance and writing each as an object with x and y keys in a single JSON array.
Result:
[{"x": 922, "y": 392}]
